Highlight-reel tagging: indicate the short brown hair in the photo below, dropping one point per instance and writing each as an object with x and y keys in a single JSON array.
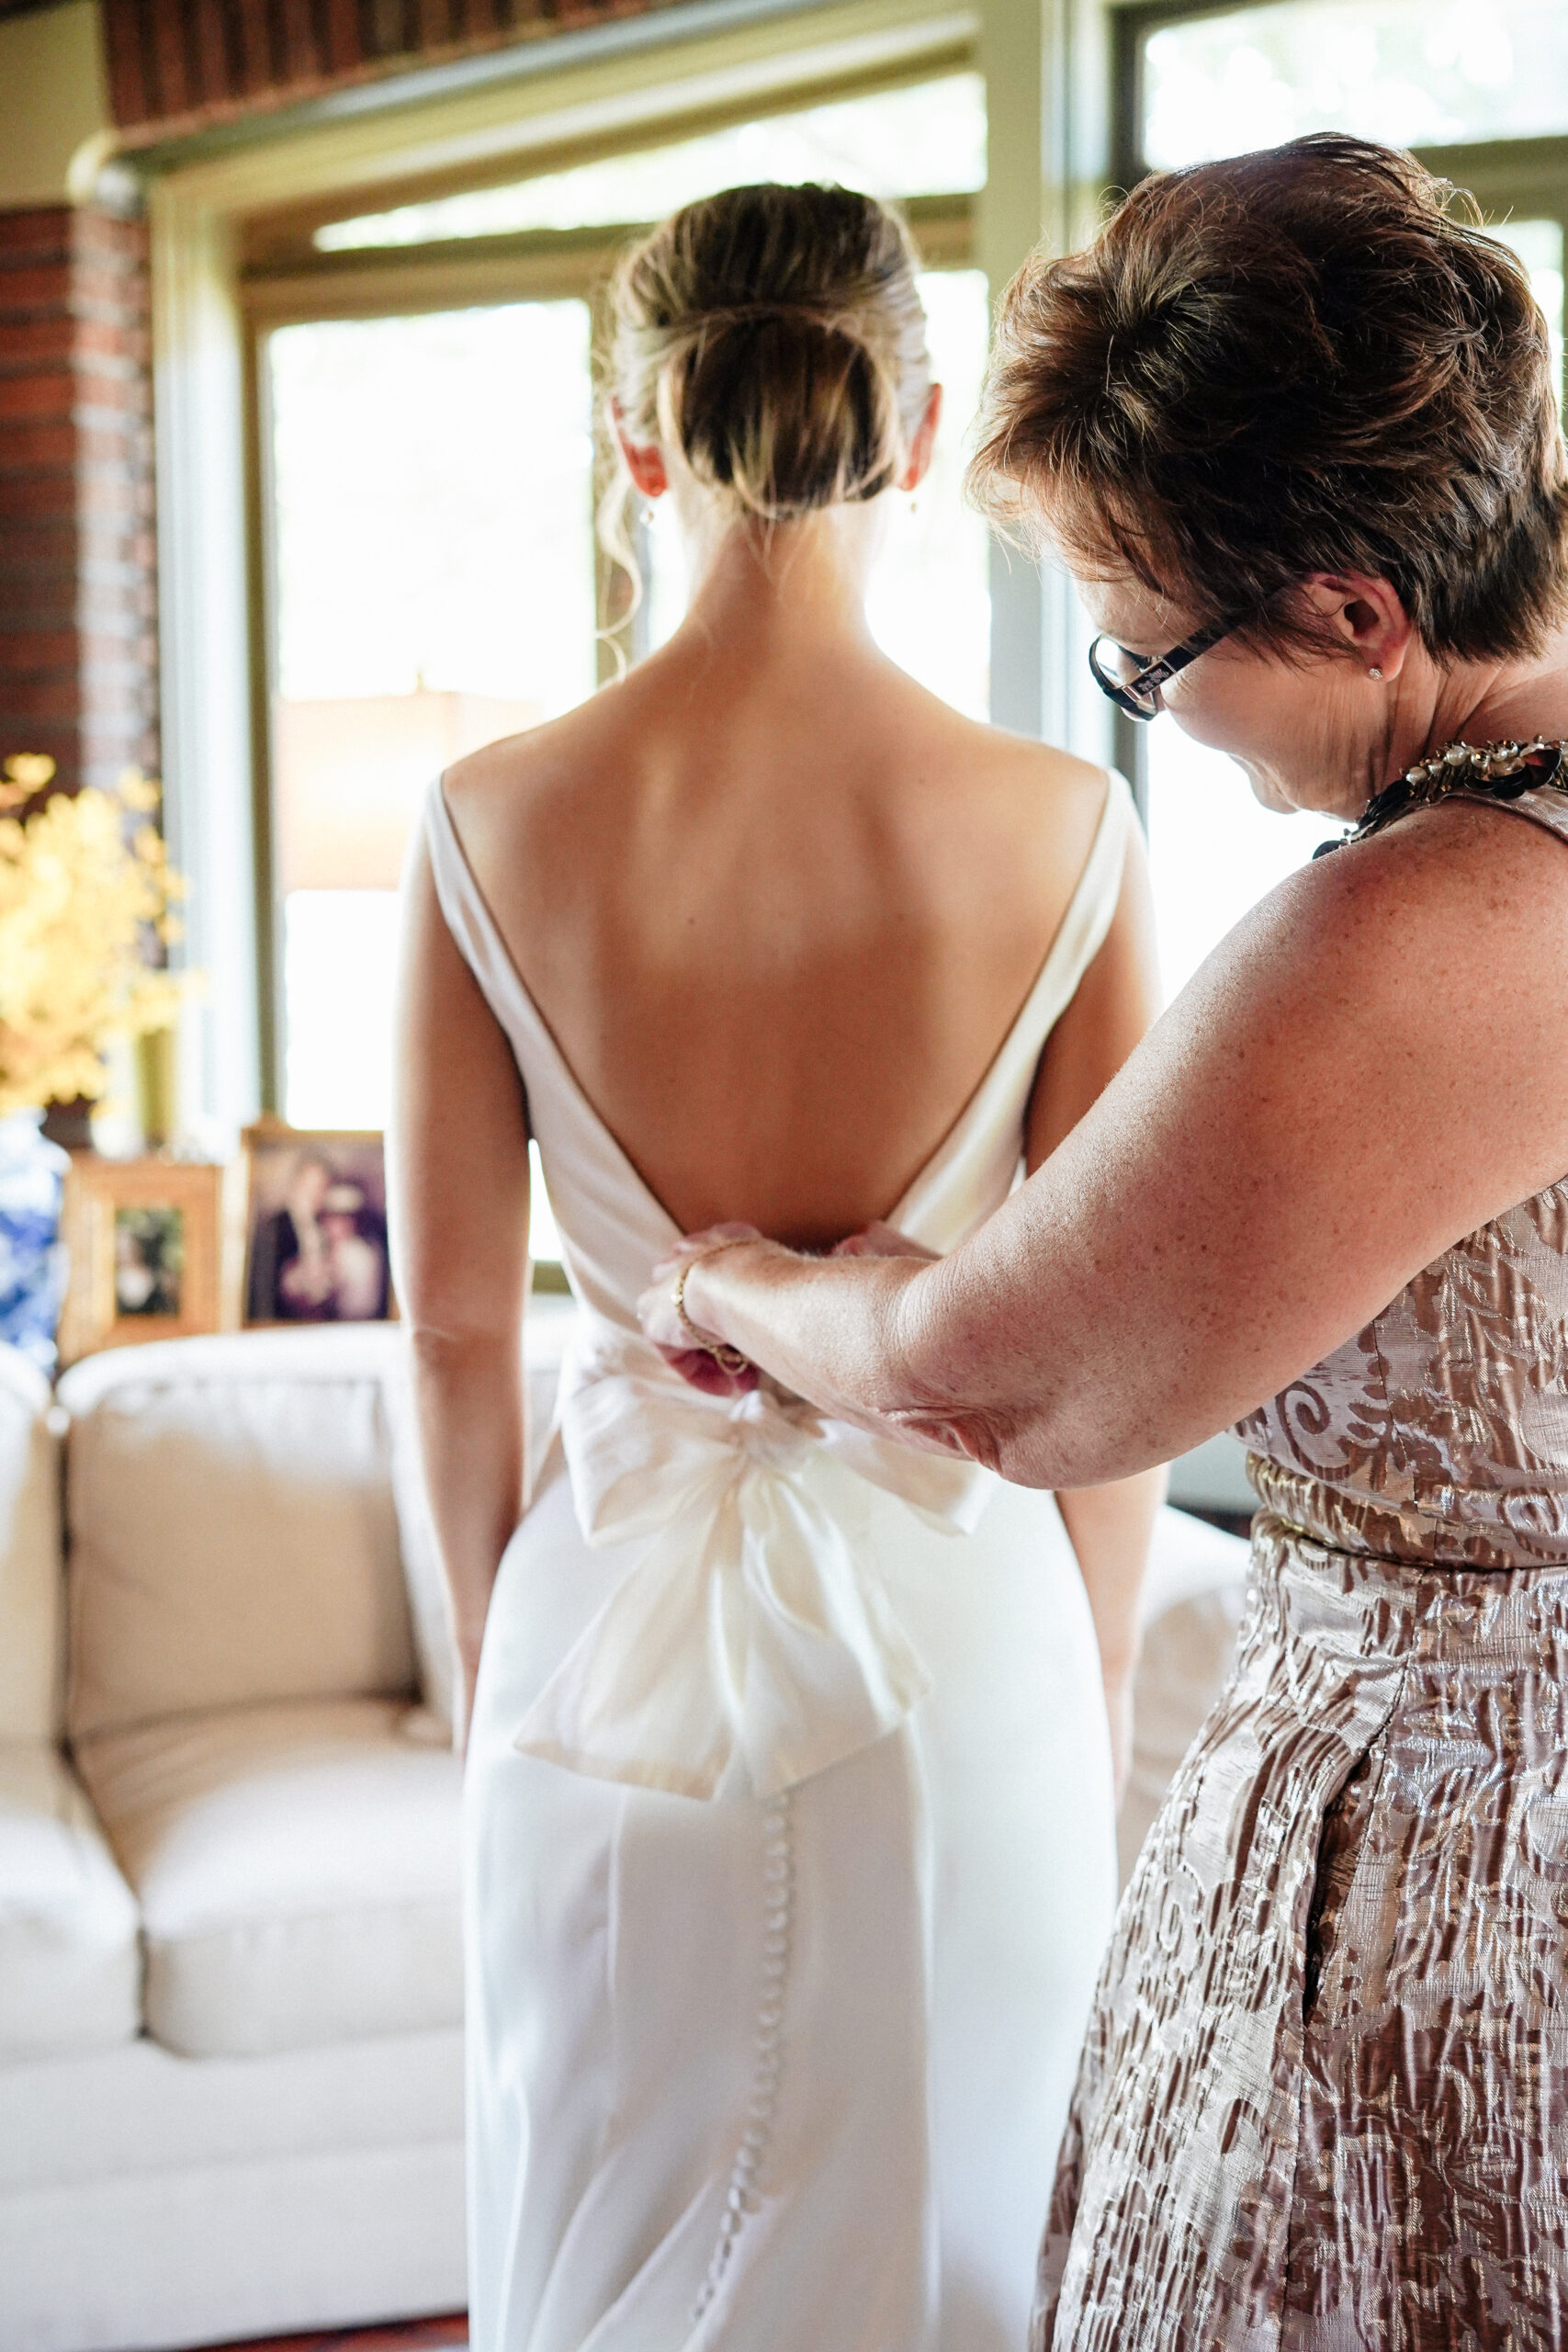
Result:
[
  {"x": 774, "y": 335},
  {"x": 1293, "y": 362}
]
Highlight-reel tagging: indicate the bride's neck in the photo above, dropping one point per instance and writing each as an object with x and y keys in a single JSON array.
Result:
[{"x": 783, "y": 594}]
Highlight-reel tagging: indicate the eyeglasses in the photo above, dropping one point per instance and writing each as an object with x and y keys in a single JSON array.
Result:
[{"x": 1133, "y": 683}]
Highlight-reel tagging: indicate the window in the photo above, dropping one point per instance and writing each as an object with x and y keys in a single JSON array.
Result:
[
  {"x": 1463, "y": 84},
  {"x": 926, "y": 139},
  {"x": 430, "y": 492},
  {"x": 434, "y": 589},
  {"x": 1411, "y": 73}
]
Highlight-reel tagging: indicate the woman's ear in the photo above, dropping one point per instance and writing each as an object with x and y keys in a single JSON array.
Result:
[
  {"x": 924, "y": 443},
  {"x": 1366, "y": 617},
  {"x": 645, "y": 459}
]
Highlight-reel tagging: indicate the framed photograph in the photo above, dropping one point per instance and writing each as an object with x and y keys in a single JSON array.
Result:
[
  {"x": 154, "y": 1250},
  {"x": 315, "y": 1226}
]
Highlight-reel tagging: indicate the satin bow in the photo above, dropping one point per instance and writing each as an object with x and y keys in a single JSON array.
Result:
[{"x": 751, "y": 1644}]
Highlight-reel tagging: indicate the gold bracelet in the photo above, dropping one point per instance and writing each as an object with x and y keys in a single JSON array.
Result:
[{"x": 720, "y": 1350}]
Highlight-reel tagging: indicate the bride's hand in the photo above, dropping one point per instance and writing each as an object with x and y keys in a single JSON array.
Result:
[
  {"x": 661, "y": 1322},
  {"x": 879, "y": 1240}
]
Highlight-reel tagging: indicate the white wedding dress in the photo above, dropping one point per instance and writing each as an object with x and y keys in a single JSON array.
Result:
[{"x": 789, "y": 1824}]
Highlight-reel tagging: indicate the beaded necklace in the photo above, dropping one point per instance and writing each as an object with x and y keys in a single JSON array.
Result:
[{"x": 1498, "y": 770}]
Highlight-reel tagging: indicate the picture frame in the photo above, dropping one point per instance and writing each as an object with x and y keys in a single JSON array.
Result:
[
  {"x": 152, "y": 1249},
  {"x": 314, "y": 1227}
]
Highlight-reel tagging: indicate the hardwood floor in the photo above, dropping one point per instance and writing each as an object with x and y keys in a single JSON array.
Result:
[{"x": 447, "y": 2335}]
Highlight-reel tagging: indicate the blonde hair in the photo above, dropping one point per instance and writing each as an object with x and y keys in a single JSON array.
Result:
[{"x": 774, "y": 337}]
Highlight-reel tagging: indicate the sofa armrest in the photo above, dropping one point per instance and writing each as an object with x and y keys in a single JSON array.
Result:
[{"x": 31, "y": 1577}]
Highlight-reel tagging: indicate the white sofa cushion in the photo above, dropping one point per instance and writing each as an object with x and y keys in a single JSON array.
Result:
[
  {"x": 296, "y": 1867},
  {"x": 70, "y": 1962},
  {"x": 140, "y": 2110},
  {"x": 1191, "y": 1610},
  {"x": 31, "y": 1585},
  {"x": 151, "y": 2200},
  {"x": 232, "y": 1535}
]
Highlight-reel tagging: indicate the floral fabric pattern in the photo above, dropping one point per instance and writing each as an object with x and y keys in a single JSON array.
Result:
[{"x": 1324, "y": 2101}]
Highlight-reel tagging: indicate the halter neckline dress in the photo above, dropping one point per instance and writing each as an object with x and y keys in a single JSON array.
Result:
[
  {"x": 788, "y": 1818},
  {"x": 1324, "y": 2102}
]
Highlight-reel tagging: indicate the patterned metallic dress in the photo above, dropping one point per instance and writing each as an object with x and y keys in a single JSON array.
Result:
[{"x": 1324, "y": 2101}]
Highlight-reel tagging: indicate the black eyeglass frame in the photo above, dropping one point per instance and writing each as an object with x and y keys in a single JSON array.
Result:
[{"x": 1154, "y": 674}]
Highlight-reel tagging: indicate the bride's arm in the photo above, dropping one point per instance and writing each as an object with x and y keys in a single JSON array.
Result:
[
  {"x": 1367, "y": 1069},
  {"x": 1111, "y": 1526},
  {"x": 458, "y": 1164}
]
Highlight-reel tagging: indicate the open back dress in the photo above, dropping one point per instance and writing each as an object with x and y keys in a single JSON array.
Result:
[{"x": 789, "y": 1821}]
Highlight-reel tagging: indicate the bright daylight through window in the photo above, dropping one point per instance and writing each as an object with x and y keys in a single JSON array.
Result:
[
  {"x": 1411, "y": 72},
  {"x": 433, "y": 495},
  {"x": 927, "y": 140}
]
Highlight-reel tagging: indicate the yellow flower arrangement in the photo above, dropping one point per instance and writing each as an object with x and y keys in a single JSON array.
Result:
[{"x": 85, "y": 890}]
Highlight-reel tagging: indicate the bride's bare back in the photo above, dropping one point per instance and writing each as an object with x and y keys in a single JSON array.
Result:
[
  {"x": 780, "y": 914},
  {"x": 780, "y": 906}
]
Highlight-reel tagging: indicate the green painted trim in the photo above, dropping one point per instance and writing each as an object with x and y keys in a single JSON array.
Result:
[
  {"x": 268, "y": 906},
  {"x": 558, "y": 256}
]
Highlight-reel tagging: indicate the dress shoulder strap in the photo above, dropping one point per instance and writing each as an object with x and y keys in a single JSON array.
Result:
[
  {"x": 470, "y": 922},
  {"x": 1548, "y": 806},
  {"x": 971, "y": 1172}
]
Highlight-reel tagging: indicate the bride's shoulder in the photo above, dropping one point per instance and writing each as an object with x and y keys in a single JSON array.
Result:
[
  {"x": 1024, "y": 763},
  {"x": 520, "y": 781},
  {"x": 1058, "y": 775},
  {"x": 1036, "y": 789}
]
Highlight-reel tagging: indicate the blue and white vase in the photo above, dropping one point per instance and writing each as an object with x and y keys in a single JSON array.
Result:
[{"x": 32, "y": 1257}]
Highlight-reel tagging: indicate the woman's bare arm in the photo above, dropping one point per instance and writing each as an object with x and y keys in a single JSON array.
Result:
[
  {"x": 459, "y": 1168},
  {"x": 1110, "y": 1013},
  {"x": 1367, "y": 1069}
]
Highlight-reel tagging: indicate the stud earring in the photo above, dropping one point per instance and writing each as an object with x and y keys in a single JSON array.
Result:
[{"x": 1375, "y": 672}]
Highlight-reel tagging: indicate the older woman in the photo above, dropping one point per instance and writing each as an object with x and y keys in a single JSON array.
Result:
[{"x": 1291, "y": 423}]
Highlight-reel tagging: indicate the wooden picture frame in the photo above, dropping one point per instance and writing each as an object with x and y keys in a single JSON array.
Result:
[
  {"x": 154, "y": 1252},
  {"x": 333, "y": 1181}
]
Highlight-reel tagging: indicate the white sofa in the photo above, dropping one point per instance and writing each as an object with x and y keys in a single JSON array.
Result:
[{"x": 230, "y": 2092}]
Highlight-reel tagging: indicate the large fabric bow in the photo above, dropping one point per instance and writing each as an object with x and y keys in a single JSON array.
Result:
[{"x": 750, "y": 1645}]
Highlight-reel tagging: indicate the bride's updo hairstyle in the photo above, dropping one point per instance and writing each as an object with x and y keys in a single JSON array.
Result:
[
  {"x": 1305, "y": 360},
  {"x": 773, "y": 336}
]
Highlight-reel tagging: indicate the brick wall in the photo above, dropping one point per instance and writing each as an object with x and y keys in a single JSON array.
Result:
[
  {"x": 78, "y": 643},
  {"x": 174, "y": 65}
]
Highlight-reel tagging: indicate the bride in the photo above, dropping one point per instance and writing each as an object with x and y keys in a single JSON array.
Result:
[{"x": 789, "y": 1792}]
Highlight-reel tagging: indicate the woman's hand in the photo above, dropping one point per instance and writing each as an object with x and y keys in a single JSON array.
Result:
[
  {"x": 879, "y": 1240},
  {"x": 660, "y": 1311}
]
